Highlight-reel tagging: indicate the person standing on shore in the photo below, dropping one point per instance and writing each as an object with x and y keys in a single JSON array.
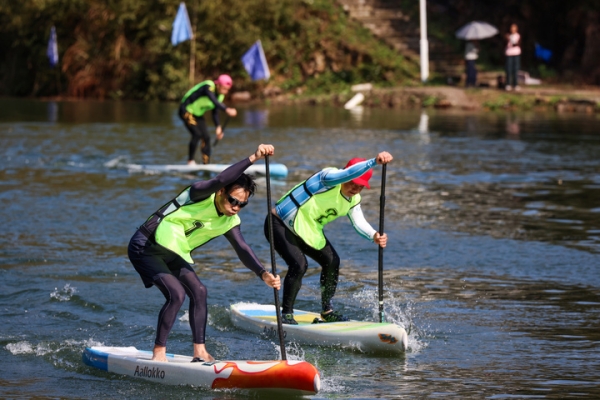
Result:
[
  {"x": 298, "y": 221},
  {"x": 205, "y": 96},
  {"x": 471, "y": 55},
  {"x": 513, "y": 58}
]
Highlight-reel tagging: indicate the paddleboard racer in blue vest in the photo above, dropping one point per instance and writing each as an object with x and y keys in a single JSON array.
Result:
[
  {"x": 160, "y": 250},
  {"x": 299, "y": 218},
  {"x": 205, "y": 96}
]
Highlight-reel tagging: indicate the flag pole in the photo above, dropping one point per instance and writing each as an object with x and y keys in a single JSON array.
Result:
[
  {"x": 58, "y": 85},
  {"x": 193, "y": 45},
  {"x": 424, "y": 44},
  {"x": 184, "y": 30},
  {"x": 193, "y": 54}
]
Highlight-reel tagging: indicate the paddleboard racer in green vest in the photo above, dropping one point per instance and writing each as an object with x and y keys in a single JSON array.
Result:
[
  {"x": 300, "y": 216},
  {"x": 205, "y": 96},
  {"x": 160, "y": 250}
]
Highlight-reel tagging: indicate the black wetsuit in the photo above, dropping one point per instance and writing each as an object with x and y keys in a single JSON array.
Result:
[
  {"x": 293, "y": 250},
  {"x": 196, "y": 124}
]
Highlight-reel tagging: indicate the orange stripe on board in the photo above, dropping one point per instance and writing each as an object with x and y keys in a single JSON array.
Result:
[{"x": 300, "y": 376}]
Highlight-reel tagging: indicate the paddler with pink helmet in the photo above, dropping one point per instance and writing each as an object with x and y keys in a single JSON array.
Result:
[{"x": 205, "y": 96}]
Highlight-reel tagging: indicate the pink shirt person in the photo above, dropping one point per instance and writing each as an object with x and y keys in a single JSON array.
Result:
[{"x": 513, "y": 47}]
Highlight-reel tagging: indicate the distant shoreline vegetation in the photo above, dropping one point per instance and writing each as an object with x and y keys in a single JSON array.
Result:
[{"x": 122, "y": 50}]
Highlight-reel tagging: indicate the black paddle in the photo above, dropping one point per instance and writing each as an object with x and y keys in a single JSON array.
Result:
[
  {"x": 273, "y": 266},
  {"x": 222, "y": 129},
  {"x": 381, "y": 213}
]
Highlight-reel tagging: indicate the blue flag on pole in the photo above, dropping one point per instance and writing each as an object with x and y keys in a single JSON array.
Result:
[
  {"x": 255, "y": 62},
  {"x": 52, "y": 51},
  {"x": 543, "y": 53},
  {"x": 182, "y": 28}
]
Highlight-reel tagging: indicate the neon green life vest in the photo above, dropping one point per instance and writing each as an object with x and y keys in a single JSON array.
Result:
[
  {"x": 192, "y": 225},
  {"x": 202, "y": 104},
  {"x": 319, "y": 210}
]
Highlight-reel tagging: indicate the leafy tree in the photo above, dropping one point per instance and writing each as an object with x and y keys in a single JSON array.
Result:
[{"x": 122, "y": 49}]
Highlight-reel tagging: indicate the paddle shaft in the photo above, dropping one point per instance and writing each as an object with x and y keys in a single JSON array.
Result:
[
  {"x": 381, "y": 218},
  {"x": 222, "y": 129},
  {"x": 273, "y": 265}
]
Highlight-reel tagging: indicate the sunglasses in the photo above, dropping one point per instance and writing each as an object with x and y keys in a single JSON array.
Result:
[{"x": 235, "y": 202}]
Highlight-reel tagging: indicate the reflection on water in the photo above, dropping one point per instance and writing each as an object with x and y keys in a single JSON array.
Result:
[
  {"x": 357, "y": 113},
  {"x": 257, "y": 119},
  {"x": 52, "y": 111},
  {"x": 423, "y": 128},
  {"x": 492, "y": 263},
  {"x": 512, "y": 124}
]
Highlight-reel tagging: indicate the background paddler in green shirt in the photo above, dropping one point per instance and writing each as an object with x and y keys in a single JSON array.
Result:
[{"x": 205, "y": 96}]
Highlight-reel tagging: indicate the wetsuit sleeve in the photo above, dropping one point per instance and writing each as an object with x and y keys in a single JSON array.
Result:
[
  {"x": 215, "y": 117},
  {"x": 243, "y": 250},
  {"x": 202, "y": 190},
  {"x": 334, "y": 177},
  {"x": 218, "y": 105},
  {"x": 360, "y": 224}
]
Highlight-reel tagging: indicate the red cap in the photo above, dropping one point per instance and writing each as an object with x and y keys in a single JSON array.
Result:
[
  {"x": 224, "y": 80},
  {"x": 364, "y": 178}
]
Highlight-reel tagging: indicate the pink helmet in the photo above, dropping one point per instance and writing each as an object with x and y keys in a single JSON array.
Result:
[{"x": 224, "y": 80}]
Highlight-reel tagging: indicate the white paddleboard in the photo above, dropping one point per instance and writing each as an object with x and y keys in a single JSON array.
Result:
[
  {"x": 276, "y": 170},
  {"x": 354, "y": 101},
  {"x": 364, "y": 336},
  {"x": 287, "y": 377}
]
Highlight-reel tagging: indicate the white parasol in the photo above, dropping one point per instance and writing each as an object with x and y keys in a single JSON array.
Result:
[{"x": 476, "y": 30}]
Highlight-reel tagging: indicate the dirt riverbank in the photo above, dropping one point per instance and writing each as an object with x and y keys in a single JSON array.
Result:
[{"x": 551, "y": 98}]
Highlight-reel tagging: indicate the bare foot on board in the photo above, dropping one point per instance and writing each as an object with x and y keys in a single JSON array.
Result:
[
  {"x": 200, "y": 352},
  {"x": 159, "y": 353}
]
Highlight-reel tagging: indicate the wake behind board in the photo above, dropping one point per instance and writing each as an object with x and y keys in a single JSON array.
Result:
[
  {"x": 276, "y": 170},
  {"x": 288, "y": 377},
  {"x": 365, "y": 336}
]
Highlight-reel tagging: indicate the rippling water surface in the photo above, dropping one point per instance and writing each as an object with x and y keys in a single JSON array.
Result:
[{"x": 493, "y": 262}]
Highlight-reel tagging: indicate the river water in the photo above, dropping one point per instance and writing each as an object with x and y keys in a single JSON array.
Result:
[{"x": 493, "y": 262}]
